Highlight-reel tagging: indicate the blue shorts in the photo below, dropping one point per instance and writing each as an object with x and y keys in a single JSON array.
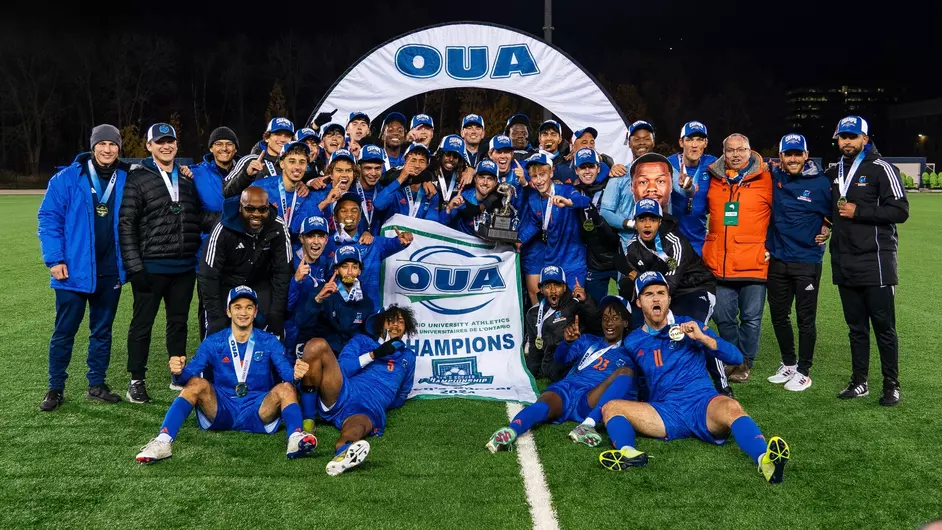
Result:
[
  {"x": 348, "y": 405},
  {"x": 533, "y": 257},
  {"x": 687, "y": 417},
  {"x": 238, "y": 414},
  {"x": 575, "y": 400},
  {"x": 573, "y": 274}
]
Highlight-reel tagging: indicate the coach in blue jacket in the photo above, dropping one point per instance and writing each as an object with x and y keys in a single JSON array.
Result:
[
  {"x": 78, "y": 232},
  {"x": 801, "y": 202}
]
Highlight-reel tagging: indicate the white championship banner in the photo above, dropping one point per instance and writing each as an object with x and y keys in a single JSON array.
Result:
[{"x": 467, "y": 301}]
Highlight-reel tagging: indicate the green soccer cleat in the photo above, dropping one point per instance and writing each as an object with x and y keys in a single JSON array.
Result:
[
  {"x": 622, "y": 459},
  {"x": 583, "y": 434},
  {"x": 351, "y": 457},
  {"x": 772, "y": 463},
  {"x": 502, "y": 440}
]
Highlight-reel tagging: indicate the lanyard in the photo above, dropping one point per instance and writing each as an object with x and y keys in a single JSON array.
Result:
[
  {"x": 172, "y": 182},
  {"x": 414, "y": 203},
  {"x": 271, "y": 168},
  {"x": 845, "y": 183},
  {"x": 540, "y": 319},
  {"x": 658, "y": 247},
  {"x": 447, "y": 191},
  {"x": 96, "y": 184},
  {"x": 241, "y": 367},
  {"x": 287, "y": 213},
  {"x": 549, "y": 208},
  {"x": 591, "y": 357},
  {"x": 367, "y": 205}
]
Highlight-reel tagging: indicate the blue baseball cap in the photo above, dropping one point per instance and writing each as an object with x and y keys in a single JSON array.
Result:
[
  {"x": 422, "y": 119},
  {"x": 538, "y": 158},
  {"x": 333, "y": 126},
  {"x": 371, "y": 153},
  {"x": 552, "y": 273},
  {"x": 648, "y": 278},
  {"x": 852, "y": 125},
  {"x": 591, "y": 130},
  {"x": 647, "y": 207},
  {"x": 522, "y": 119},
  {"x": 551, "y": 124},
  {"x": 452, "y": 144},
  {"x": 499, "y": 142},
  {"x": 472, "y": 118},
  {"x": 314, "y": 223},
  {"x": 586, "y": 156},
  {"x": 417, "y": 147},
  {"x": 614, "y": 299},
  {"x": 347, "y": 253},
  {"x": 280, "y": 124},
  {"x": 486, "y": 167},
  {"x": 792, "y": 142},
  {"x": 350, "y": 196},
  {"x": 640, "y": 124},
  {"x": 241, "y": 291},
  {"x": 291, "y": 145},
  {"x": 394, "y": 116},
  {"x": 305, "y": 133},
  {"x": 159, "y": 131},
  {"x": 693, "y": 128},
  {"x": 357, "y": 115},
  {"x": 342, "y": 154}
]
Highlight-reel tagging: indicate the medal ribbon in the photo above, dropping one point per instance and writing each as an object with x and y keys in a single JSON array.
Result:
[
  {"x": 241, "y": 367},
  {"x": 96, "y": 184},
  {"x": 286, "y": 213},
  {"x": 549, "y": 209},
  {"x": 172, "y": 182},
  {"x": 415, "y": 203},
  {"x": 591, "y": 357},
  {"x": 367, "y": 205},
  {"x": 540, "y": 319},
  {"x": 845, "y": 183},
  {"x": 447, "y": 191},
  {"x": 271, "y": 168}
]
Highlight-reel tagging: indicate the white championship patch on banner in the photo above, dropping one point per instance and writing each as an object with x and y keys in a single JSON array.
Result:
[{"x": 467, "y": 301}]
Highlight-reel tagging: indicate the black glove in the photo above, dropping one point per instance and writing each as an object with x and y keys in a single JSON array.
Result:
[
  {"x": 491, "y": 201},
  {"x": 217, "y": 325},
  {"x": 387, "y": 349},
  {"x": 323, "y": 118},
  {"x": 140, "y": 282}
]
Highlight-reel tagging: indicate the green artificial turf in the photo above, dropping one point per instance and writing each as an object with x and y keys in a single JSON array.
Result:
[{"x": 854, "y": 464}]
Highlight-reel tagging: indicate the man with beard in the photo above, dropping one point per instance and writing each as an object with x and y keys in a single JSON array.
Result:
[
  {"x": 239, "y": 398},
  {"x": 509, "y": 171},
  {"x": 801, "y": 203},
  {"x": 372, "y": 250},
  {"x": 864, "y": 264},
  {"x": 464, "y": 210},
  {"x": 310, "y": 272},
  {"x": 368, "y": 187},
  {"x": 393, "y": 135},
  {"x": 263, "y": 161},
  {"x": 545, "y": 323},
  {"x": 740, "y": 206},
  {"x": 472, "y": 132},
  {"x": 518, "y": 129},
  {"x": 406, "y": 194},
  {"x": 453, "y": 169},
  {"x": 692, "y": 162},
  {"x": 600, "y": 240},
  {"x": 372, "y": 375},
  {"x": 282, "y": 189},
  {"x": 668, "y": 351},
  {"x": 421, "y": 130},
  {"x": 601, "y": 359},
  {"x": 619, "y": 199},
  {"x": 250, "y": 246}
]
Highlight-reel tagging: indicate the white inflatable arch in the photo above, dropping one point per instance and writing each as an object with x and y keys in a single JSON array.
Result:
[{"x": 473, "y": 54}]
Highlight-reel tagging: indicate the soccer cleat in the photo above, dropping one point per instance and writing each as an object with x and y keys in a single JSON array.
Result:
[
  {"x": 854, "y": 390},
  {"x": 51, "y": 401},
  {"x": 137, "y": 392},
  {"x": 585, "y": 435},
  {"x": 502, "y": 440},
  {"x": 622, "y": 459},
  {"x": 102, "y": 393},
  {"x": 154, "y": 451},
  {"x": 351, "y": 457},
  {"x": 784, "y": 374},
  {"x": 309, "y": 426},
  {"x": 798, "y": 382},
  {"x": 772, "y": 463},
  {"x": 175, "y": 385},
  {"x": 890, "y": 396},
  {"x": 301, "y": 443}
]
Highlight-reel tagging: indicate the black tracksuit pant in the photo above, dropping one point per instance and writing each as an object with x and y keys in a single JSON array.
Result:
[
  {"x": 874, "y": 305},
  {"x": 798, "y": 283},
  {"x": 176, "y": 292}
]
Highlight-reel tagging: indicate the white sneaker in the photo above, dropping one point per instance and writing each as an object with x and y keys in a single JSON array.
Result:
[
  {"x": 154, "y": 451},
  {"x": 783, "y": 374},
  {"x": 175, "y": 388},
  {"x": 352, "y": 457},
  {"x": 798, "y": 382},
  {"x": 301, "y": 443}
]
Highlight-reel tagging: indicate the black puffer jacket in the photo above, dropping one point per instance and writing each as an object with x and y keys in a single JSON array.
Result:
[
  {"x": 601, "y": 242},
  {"x": 148, "y": 230}
]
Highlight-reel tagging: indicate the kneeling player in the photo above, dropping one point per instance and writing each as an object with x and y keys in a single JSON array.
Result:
[
  {"x": 669, "y": 351},
  {"x": 354, "y": 391},
  {"x": 601, "y": 360},
  {"x": 242, "y": 396}
]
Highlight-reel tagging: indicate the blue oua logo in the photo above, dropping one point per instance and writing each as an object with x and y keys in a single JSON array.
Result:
[
  {"x": 465, "y": 63},
  {"x": 428, "y": 278}
]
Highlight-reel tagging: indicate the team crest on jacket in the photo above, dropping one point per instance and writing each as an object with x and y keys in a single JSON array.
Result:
[
  {"x": 805, "y": 196},
  {"x": 257, "y": 356},
  {"x": 862, "y": 181},
  {"x": 358, "y": 319}
]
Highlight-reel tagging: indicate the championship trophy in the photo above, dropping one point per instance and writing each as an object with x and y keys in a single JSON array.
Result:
[{"x": 500, "y": 225}]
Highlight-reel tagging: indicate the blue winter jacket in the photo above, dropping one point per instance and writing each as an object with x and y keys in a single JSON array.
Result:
[
  {"x": 799, "y": 206},
  {"x": 692, "y": 224},
  {"x": 302, "y": 316},
  {"x": 208, "y": 179},
  {"x": 67, "y": 226},
  {"x": 373, "y": 256},
  {"x": 564, "y": 246},
  {"x": 339, "y": 321}
]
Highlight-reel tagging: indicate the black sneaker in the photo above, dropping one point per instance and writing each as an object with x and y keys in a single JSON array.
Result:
[
  {"x": 137, "y": 392},
  {"x": 890, "y": 396},
  {"x": 854, "y": 390},
  {"x": 102, "y": 393},
  {"x": 51, "y": 401}
]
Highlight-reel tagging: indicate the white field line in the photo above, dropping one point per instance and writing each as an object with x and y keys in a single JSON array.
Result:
[{"x": 534, "y": 482}]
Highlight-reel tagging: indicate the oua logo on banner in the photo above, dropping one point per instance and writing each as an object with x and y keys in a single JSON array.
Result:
[{"x": 468, "y": 303}]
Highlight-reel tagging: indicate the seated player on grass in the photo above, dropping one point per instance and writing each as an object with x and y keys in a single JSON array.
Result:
[
  {"x": 354, "y": 391},
  {"x": 600, "y": 361},
  {"x": 669, "y": 352},
  {"x": 242, "y": 396}
]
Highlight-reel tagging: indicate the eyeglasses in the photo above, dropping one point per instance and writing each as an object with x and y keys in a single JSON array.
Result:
[
  {"x": 738, "y": 151},
  {"x": 254, "y": 209},
  {"x": 222, "y": 144}
]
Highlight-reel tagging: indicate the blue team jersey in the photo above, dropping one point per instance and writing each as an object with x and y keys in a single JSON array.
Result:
[
  {"x": 303, "y": 206},
  {"x": 676, "y": 370},
  {"x": 394, "y": 199},
  {"x": 267, "y": 358},
  {"x": 564, "y": 246},
  {"x": 588, "y": 368}
]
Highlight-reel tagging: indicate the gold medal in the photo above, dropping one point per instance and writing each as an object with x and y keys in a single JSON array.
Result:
[
  {"x": 671, "y": 264},
  {"x": 841, "y": 202},
  {"x": 538, "y": 343},
  {"x": 675, "y": 333},
  {"x": 101, "y": 210},
  {"x": 588, "y": 225},
  {"x": 176, "y": 208},
  {"x": 241, "y": 389}
]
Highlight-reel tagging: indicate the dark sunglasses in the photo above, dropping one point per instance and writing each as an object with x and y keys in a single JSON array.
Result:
[{"x": 254, "y": 209}]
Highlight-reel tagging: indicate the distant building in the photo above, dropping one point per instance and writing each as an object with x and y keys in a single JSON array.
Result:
[
  {"x": 815, "y": 111},
  {"x": 915, "y": 129}
]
